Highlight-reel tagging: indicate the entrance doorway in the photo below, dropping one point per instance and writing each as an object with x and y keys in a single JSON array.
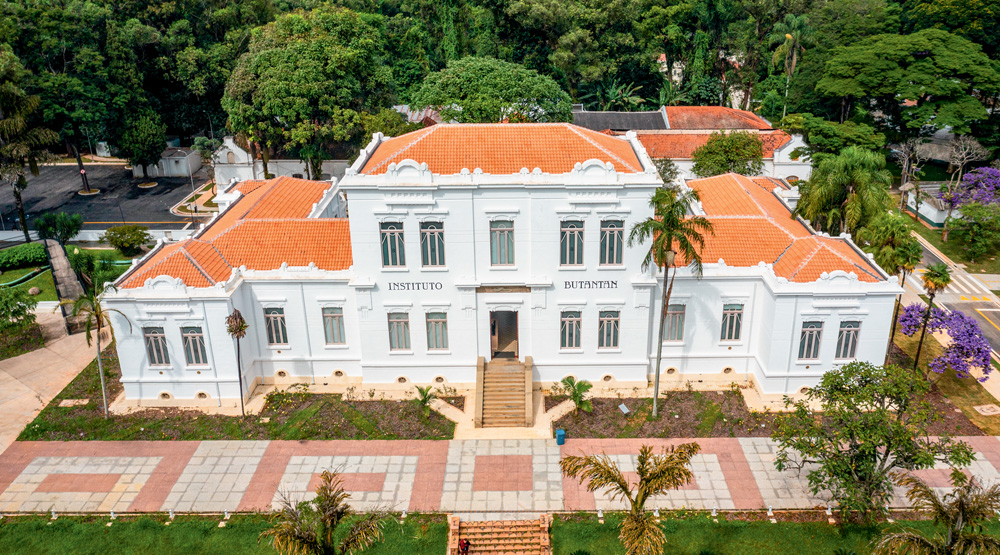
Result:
[{"x": 503, "y": 335}]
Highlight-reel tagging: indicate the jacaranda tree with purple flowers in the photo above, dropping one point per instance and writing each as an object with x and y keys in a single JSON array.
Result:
[
  {"x": 968, "y": 349},
  {"x": 979, "y": 186}
]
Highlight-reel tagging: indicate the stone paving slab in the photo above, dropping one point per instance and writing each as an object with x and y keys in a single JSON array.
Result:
[{"x": 477, "y": 479}]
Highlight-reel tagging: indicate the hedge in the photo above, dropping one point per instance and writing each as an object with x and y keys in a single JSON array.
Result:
[{"x": 23, "y": 256}]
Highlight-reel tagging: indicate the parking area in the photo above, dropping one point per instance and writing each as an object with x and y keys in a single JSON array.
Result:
[{"x": 120, "y": 199}]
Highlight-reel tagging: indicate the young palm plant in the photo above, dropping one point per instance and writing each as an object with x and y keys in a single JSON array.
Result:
[
  {"x": 96, "y": 317},
  {"x": 671, "y": 230},
  {"x": 327, "y": 525},
  {"x": 962, "y": 512},
  {"x": 236, "y": 327},
  {"x": 936, "y": 278},
  {"x": 425, "y": 395},
  {"x": 639, "y": 532},
  {"x": 577, "y": 392}
]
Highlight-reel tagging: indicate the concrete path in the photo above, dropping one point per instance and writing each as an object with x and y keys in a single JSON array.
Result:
[
  {"x": 30, "y": 381},
  {"x": 477, "y": 479},
  {"x": 66, "y": 281}
]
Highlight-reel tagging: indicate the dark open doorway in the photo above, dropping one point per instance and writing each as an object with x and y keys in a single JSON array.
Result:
[{"x": 503, "y": 334}]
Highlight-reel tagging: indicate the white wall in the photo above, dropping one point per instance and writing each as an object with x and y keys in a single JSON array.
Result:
[
  {"x": 928, "y": 212},
  {"x": 172, "y": 167}
]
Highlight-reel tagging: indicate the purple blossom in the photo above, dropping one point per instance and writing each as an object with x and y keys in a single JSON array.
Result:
[
  {"x": 981, "y": 185},
  {"x": 968, "y": 348}
]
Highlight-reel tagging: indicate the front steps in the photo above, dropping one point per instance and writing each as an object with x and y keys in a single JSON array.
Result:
[
  {"x": 501, "y": 537},
  {"x": 504, "y": 393}
]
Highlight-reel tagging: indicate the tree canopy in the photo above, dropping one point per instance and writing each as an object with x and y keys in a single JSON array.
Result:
[
  {"x": 738, "y": 152},
  {"x": 487, "y": 90}
]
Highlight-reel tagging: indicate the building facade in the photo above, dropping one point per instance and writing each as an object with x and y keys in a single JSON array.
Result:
[{"x": 457, "y": 243}]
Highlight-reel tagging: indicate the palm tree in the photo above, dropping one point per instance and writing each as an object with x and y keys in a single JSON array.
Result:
[
  {"x": 908, "y": 256},
  {"x": 615, "y": 95},
  {"x": 936, "y": 278},
  {"x": 327, "y": 525},
  {"x": 847, "y": 190},
  {"x": 672, "y": 230},
  {"x": 888, "y": 238},
  {"x": 791, "y": 36},
  {"x": 96, "y": 317},
  {"x": 639, "y": 532},
  {"x": 425, "y": 395},
  {"x": 236, "y": 327},
  {"x": 22, "y": 147},
  {"x": 963, "y": 512}
]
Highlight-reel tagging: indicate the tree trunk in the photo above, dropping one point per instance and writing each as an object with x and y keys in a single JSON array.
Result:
[
  {"x": 947, "y": 229},
  {"x": 665, "y": 300},
  {"x": 100, "y": 370},
  {"x": 239, "y": 375},
  {"x": 923, "y": 333},
  {"x": 266, "y": 157},
  {"x": 79, "y": 159},
  {"x": 145, "y": 171},
  {"x": 22, "y": 182}
]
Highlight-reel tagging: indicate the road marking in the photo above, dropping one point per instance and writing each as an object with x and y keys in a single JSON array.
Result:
[{"x": 994, "y": 324}]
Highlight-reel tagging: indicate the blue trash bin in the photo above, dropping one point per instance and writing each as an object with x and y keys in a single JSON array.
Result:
[{"x": 560, "y": 436}]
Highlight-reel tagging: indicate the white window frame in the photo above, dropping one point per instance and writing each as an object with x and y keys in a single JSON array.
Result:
[
  {"x": 432, "y": 244},
  {"x": 193, "y": 340},
  {"x": 847, "y": 337},
  {"x": 673, "y": 331},
  {"x": 571, "y": 243},
  {"x": 275, "y": 326},
  {"x": 609, "y": 329},
  {"x": 732, "y": 322},
  {"x": 810, "y": 340},
  {"x": 570, "y": 326},
  {"x": 502, "y": 244},
  {"x": 392, "y": 245},
  {"x": 437, "y": 331},
  {"x": 612, "y": 242},
  {"x": 155, "y": 340},
  {"x": 399, "y": 331},
  {"x": 333, "y": 325}
]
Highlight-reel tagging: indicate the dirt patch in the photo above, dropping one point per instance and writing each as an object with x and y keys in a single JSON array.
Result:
[{"x": 457, "y": 402}]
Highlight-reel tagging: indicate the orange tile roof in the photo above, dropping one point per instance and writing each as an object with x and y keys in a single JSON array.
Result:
[
  {"x": 712, "y": 117},
  {"x": 503, "y": 148},
  {"x": 751, "y": 226},
  {"x": 680, "y": 146},
  {"x": 265, "y": 227}
]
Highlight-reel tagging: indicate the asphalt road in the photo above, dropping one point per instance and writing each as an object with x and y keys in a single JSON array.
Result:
[
  {"x": 987, "y": 314},
  {"x": 55, "y": 189}
]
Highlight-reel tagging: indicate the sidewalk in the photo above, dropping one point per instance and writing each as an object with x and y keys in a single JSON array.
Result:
[
  {"x": 30, "y": 381},
  {"x": 477, "y": 479}
]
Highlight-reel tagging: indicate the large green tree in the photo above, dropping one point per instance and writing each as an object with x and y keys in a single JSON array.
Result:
[
  {"x": 305, "y": 78},
  {"x": 487, "y": 90},
  {"x": 143, "y": 140},
  {"x": 846, "y": 191},
  {"x": 739, "y": 152},
  {"x": 930, "y": 78},
  {"x": 825, "y": 138}
]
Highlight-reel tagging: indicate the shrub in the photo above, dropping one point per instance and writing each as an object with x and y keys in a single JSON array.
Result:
[
  {"x": 60, "y": 226},
  {"x": 128, "y": 239},
  {"x": 16, "y": 310},
  {"x": 22, "y": 256}
]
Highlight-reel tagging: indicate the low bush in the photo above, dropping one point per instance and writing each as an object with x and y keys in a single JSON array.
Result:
[
  {"x": 128, "y": 239},
  {"x": 22, "y": 256}
]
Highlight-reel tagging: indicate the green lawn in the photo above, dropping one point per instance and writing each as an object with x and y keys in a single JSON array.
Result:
[
  {"x": 698, "y": 535},
  {"x": 13, "y": 344},
  {"x": 955, "y": 250},
  {"x": 42, "y": 281},
  {"x": 932, "y": 171},
  {"x": 421, "y": 535}
]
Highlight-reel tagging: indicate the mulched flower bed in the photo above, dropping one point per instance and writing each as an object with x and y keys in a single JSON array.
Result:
[{"x": 289, "y": 415}]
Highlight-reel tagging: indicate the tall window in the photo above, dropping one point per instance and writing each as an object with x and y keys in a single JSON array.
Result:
[
  {"x": 156, "y": 346},
  {"x": 809, "y": 341},
  {"x": 393, "y": 254},
  {"x": 274, "y": 321},
  {"x": 571, "y": 243},
  {"x": 502, "y": 243},
  {"x": 732, "y": 322},
  {"x": 333, "y": 326},
  {"x": 194, "y": 346},
  {"x": 569, "y": 330},
  {"x": 847, "y": 340},
  {"x": 432, "y": 244},
  {"x": 675, "y": 323},
  {"x": 608, "y": 330},
  {"x": 612, "y": 242},
  {"x": 399, "y": 331},
  {"x": 437, "y": 331}
]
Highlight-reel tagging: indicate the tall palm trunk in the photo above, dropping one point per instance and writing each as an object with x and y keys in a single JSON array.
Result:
[
  {"x": 100, "y": 370},
  {"x": 239, "y": 375},
  {"x": 665, "y": 302},
  {"x": 19, "y": 186},
  {"x": 923, "y": 333}
]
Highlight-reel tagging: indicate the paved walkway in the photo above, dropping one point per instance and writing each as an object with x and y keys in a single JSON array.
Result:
[
  {"x": 30, "y": 381},
  {"x": 68, "y": 285},
  {"x": 474, "y": 478}
]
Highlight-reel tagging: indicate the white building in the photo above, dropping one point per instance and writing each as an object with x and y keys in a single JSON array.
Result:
[
  {"x": 233, "y": 162},
  {"x": 470, "y": 243},
  {"x": 174, "y": 162}
]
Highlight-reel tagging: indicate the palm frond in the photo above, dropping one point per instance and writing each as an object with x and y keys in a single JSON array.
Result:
[
  {"x": 363, "y": 532},
  {"x": 599, "y": 472},
  {"x": 907, "y": 542},
  {"x": 640, "y": 534}
]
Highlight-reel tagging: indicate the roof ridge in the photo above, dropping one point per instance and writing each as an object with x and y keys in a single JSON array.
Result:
[
  {"x": 404, "y": 149},
  {"x": 600, "y": 147},
  {"x": 197, "y": 266},
  {"x": 806, "y": 260}
]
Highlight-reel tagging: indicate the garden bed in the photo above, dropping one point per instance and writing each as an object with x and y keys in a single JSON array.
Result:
[
  {"x": 289, "y": 415},
  {"x": 25, "y": 341}
]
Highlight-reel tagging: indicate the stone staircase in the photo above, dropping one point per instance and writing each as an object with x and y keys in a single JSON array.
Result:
[
  {"x": 504, "y": 393},
  {"x": 501, "y": 537}
]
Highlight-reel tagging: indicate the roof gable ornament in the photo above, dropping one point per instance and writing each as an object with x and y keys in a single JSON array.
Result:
[
  {"x": 594, "y": 171},
  {"x": 409, "y": 171}
]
